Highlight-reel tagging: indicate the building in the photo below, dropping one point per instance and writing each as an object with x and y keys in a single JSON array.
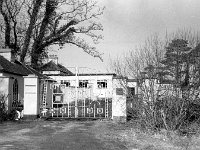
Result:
[
  {"x": 21, "y": 85},
  {"x": 91, "y": 95}
]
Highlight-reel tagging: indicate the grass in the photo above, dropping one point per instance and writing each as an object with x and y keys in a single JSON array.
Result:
[{"x": 135, "y": 139}]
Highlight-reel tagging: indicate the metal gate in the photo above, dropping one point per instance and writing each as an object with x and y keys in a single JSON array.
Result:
[{"x": 74, "y": 102}]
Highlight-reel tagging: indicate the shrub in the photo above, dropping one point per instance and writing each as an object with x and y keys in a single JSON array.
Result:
[
  {"x": 3, "y": 112},
  {"x": 4, "y": 115},
  {"x": 167, "y": 113},
  {"x": 12, "y": 115}
]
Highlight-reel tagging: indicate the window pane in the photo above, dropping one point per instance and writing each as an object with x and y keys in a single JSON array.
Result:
[
  {"x": 83, "y": 83},
  {"x": 102, "y": 83}
]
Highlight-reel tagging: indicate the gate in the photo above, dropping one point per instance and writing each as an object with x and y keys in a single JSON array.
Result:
[{"x": 73, "y": 102}]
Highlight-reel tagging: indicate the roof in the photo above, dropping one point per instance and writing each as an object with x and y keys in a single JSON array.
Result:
[
  {"x": 41, "y": 76},
  {"x": 85, "y": 74},
  {"x": 3, "y": 50},
  {"x": 132, "y": 80},
  {"x": 96, "y": 74},
  {"x": 12, "y": 67},
  {"x": 18, "y": 68},
  {"x": 120, "y": 77},
  {"x": 51, "y": 66}
]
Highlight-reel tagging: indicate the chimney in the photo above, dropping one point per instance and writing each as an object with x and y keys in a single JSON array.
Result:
[
  {"x": 53, "y": 58},
  {"x": 7, "y": 53}
]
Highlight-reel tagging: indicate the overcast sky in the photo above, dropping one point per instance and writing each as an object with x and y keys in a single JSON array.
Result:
[{"x": 127, "y": 23}]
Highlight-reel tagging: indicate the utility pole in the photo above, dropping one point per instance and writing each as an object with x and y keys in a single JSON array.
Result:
[
  {"x": 76, "y": 89},
  {"x": 76, "y": 95}
]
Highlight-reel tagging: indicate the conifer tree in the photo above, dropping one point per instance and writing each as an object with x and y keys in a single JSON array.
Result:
[{"x": 175, "y": 65}]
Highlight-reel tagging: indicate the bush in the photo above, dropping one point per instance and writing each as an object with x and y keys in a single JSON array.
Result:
[
  {"x": 4, "y": 115},
  {"x": 3, "y": 112},
  {"x": 167, "y": 113},
  {"x": 12, "y": 115}
]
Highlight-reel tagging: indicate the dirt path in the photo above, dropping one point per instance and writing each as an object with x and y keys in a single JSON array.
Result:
[{"x": 53, "y": 135}]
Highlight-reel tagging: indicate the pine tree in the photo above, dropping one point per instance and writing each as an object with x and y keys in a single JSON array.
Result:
[{"x": 175, "y": 66}]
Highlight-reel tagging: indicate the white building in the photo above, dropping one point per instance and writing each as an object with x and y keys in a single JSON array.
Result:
[
  {"x": 85, "y": 95},
  {"x": 21, "y": 86}
]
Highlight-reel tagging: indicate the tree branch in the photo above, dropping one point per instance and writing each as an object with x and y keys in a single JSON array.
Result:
[{"x": 29, "y": 31}]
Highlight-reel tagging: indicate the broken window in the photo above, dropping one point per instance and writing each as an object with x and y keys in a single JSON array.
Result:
[{"x": 102, "y": 84}]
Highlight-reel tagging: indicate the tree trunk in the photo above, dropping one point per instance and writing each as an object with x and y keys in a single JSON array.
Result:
[
  {"x": 37, "y": 48},
  {"x": 7, "y": 25},
  {"x": 33, "y": 19}
]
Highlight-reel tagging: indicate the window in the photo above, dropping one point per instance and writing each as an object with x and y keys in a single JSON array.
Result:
[
  {"x": 102, "y": 84},
  {"x": 15, "y": 91},
  {"x": 119, "y": 91},
  {"x": 83, "y": 83},
  {"x": 66, "y": 82},
  {"x": 131, "y": 92},
  {"x": 57, "y": 88}
]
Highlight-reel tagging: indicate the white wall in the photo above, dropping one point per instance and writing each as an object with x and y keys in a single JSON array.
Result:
[
  {"x": 150, "y": 89},
  {"x": 9, "y": 87},
  {"x": 119, "y": 100},
  {"x": 97, "y": 92},
  {"x": 31, "y": 95}
]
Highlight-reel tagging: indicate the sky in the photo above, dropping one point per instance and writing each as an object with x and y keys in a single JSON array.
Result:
[{"x": 127, "y": 23}]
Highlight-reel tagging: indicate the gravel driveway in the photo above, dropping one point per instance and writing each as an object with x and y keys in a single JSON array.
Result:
[{"x": 53, "y": 135}]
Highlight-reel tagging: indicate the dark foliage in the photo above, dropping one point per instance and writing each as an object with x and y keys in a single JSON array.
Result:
[{"x": 3, "y": 113}]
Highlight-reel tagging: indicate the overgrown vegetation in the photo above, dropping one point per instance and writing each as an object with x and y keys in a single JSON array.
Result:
[
  {"x": 168, "y": 80},
  {"x": 4, "y": 115},
  {"x": 3, "y": 112}
]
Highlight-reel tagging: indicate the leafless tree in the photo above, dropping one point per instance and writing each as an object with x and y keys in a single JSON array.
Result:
[
  {"x": 51, "y": 22},
  {"x": 160, "y": 104},
  {"x": 11, "y": 12}
]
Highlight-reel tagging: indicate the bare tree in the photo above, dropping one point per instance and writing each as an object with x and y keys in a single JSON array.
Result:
[
  {"x": 160, "y": 103},
  {"x": 51, "y": 22},
  {"x": 33, "y": 19},
  {"x": 133, "y": 63},
  {"x": 10, "y": 11}
]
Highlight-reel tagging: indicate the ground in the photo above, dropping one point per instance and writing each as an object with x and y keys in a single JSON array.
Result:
[
  {"x": 86, "y": 135},
  {"x": 55, "y": 135}
]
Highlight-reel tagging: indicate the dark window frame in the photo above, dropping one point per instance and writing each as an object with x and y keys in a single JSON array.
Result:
[
  {"x": 83, "y": 83},
  {"x": 102, "y": 84},
  {"x": 66, "y": 82}
]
